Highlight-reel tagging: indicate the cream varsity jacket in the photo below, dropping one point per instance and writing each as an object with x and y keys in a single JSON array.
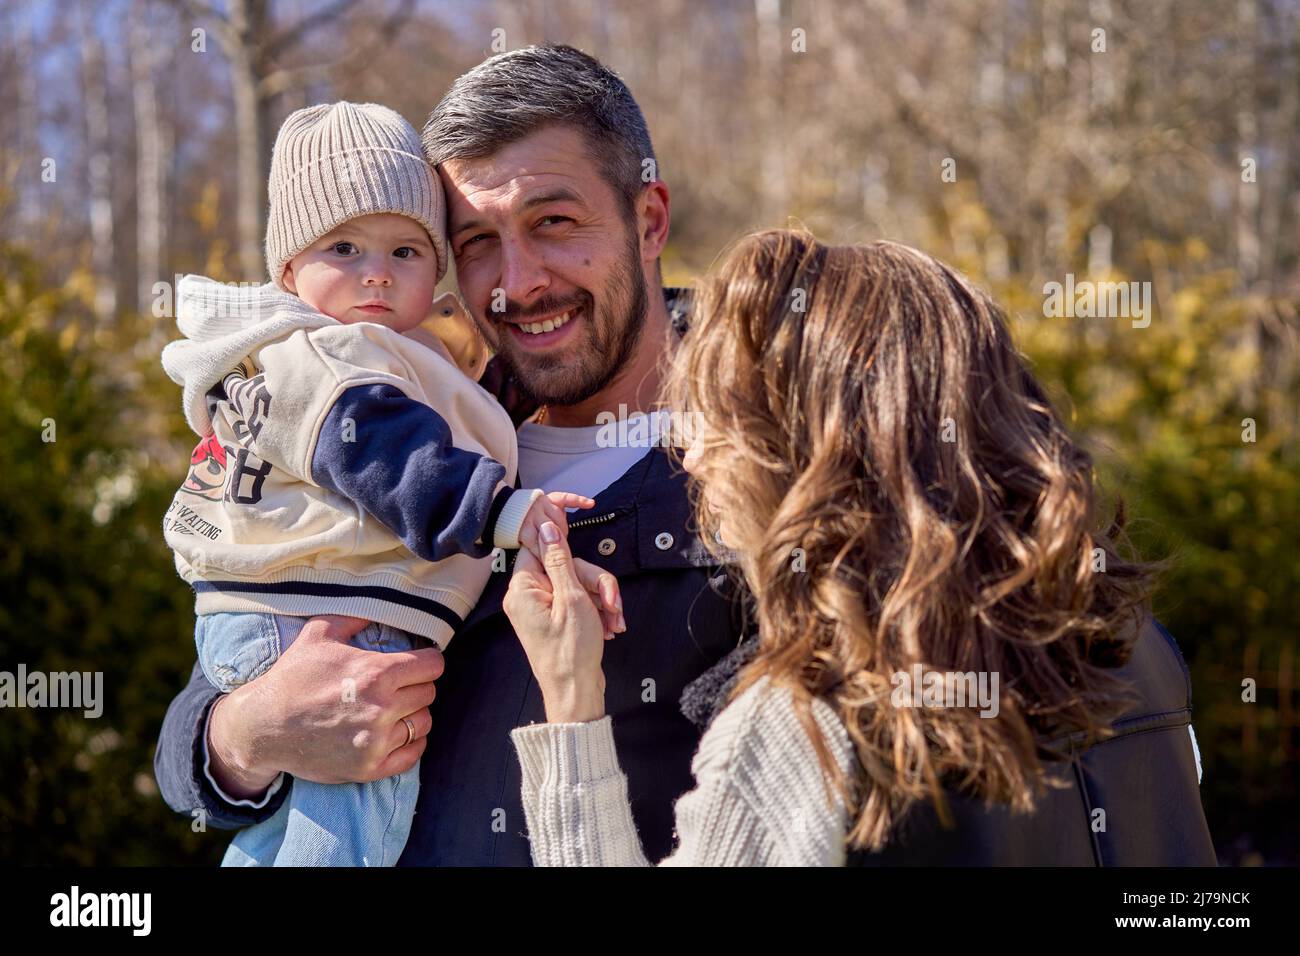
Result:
[{"x": 343, "y": 469}]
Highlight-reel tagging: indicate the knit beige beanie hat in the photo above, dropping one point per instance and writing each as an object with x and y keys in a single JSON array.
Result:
[{"x": 338, "y": 161}]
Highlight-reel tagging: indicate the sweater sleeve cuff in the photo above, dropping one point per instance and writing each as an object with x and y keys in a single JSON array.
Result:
[
  {"x": 510, "y": 519},
  {"x": 575, "y": 796},
  {"x": 566, "y": 754},
  {"x": 238, "y": 802}
]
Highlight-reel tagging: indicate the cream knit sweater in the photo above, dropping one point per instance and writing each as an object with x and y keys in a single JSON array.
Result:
[{"x": 759, "y": 799}]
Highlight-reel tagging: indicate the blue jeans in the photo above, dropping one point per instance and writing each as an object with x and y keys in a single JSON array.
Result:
[{"x": 340, "y": 824}]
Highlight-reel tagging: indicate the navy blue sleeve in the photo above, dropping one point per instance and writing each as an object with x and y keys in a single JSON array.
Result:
[
  {"x": 401, "y": 467},
  {"x": 178, "y": 762}
]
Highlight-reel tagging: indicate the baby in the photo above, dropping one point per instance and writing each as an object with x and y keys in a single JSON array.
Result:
[{"x": 348, "y": 464}]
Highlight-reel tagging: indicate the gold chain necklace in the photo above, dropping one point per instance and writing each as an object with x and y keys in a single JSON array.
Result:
[{"x": 541, "y": 416}]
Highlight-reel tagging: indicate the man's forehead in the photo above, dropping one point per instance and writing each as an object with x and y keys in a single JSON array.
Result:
[
  {"x": 511, "y": 190},
  {"x": 548, "y": 161}
]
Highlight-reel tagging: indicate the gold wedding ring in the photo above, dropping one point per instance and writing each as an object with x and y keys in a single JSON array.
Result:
[{"x": 410, "y": 729}]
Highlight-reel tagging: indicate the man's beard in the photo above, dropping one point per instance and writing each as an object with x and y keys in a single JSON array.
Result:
[{"x": 606, "y": 345}]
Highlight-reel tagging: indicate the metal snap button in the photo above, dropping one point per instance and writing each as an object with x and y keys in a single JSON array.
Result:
[
  {"x": 606, "y": 546},
  {"x": 663, "y": 541}
]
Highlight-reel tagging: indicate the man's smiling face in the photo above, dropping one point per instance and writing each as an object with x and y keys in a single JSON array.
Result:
[{"x": 548, "y": 262}]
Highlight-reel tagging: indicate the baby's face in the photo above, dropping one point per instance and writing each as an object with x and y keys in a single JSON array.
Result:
[{"x": 379, "y": 268}]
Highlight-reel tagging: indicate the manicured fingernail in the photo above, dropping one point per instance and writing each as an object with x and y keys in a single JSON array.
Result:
[{"x": 550, "y": 533}]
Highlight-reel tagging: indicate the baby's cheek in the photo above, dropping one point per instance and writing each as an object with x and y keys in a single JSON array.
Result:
[
  {"x": 409, "y": 315},
  {"x": 320, "y": 291},
  {"x": 416, "y": 304}
]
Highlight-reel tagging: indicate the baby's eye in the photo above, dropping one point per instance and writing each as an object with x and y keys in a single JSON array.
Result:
[
  {"x": 343, "y": 248},
  {"x": 405, "y": 252}
]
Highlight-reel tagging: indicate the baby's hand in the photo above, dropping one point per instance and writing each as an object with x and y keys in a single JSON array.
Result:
[{"x": 549, "y": 507}]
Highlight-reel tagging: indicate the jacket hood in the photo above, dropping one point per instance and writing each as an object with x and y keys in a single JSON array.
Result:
[{"x": 222, "y": 325}]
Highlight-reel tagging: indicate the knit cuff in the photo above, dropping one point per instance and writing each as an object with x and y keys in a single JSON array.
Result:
[
  {"x": 566, "y": 755},
  {"x": 575, "y": 796},
  {"x": 510, "y": 519}
]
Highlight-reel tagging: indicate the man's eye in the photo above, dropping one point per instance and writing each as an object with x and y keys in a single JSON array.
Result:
[
  {"x": 405, "y": 252},
  {"x": 473, "y": 239},
  {"x": 343, "y": 248},
  {"x": 545, "y": 220}
]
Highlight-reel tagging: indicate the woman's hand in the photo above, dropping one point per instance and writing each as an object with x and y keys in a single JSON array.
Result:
[{"x": 564, "y": 609}]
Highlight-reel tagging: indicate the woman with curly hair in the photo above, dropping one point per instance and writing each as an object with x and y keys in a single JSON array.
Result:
[{"x": 953, "y": 661}]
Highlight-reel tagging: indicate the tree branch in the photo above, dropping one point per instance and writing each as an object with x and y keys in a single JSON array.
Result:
[
  {"x": 292, "y": 35},
  {"x": 288, "y": 78}
]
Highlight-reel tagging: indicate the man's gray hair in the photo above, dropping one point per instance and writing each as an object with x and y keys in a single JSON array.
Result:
[{"x": 512, "y": 95}]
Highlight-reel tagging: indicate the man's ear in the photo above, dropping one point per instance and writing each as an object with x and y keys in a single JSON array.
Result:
[
  {"x": 654, "y": 217},
  {"x": 287, "y": 278}
]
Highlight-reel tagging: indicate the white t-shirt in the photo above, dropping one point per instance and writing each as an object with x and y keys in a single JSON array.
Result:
[{"x": 585, "y": 461}]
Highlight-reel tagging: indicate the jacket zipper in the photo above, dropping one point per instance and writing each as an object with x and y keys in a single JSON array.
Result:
[
  {"x": 577, "y": 524},
  {"x": 597, "y": 520}
]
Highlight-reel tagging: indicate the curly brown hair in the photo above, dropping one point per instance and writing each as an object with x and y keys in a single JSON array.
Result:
[{"x": 900, "y": 491}]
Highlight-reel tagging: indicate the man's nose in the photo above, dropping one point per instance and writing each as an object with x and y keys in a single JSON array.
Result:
[{"x": 523, "y": 272}]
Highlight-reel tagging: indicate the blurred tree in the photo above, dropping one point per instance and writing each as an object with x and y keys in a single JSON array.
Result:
[{"x": 84, "y": 583}]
